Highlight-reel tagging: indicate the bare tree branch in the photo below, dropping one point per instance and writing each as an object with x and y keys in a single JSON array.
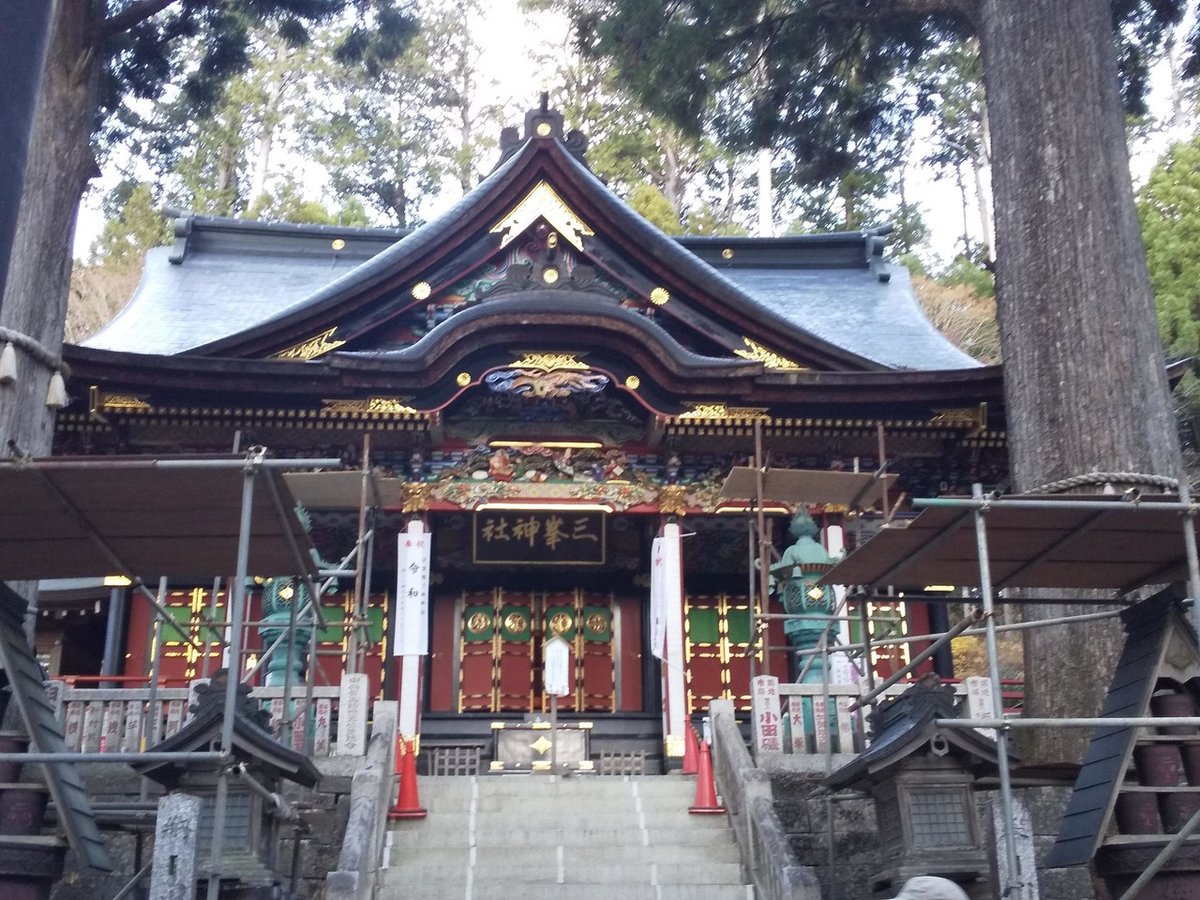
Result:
[
  {"x": 863, "y": 10},
  {"x": 130, "y": 16}
]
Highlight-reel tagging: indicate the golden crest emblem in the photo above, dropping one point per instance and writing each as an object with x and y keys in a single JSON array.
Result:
[
  {"x": 516, "y": 622},
  {"x": 479, "y": 621},
  {"x": 560, "y": 622},
  {"x": 597, "y": 622}
]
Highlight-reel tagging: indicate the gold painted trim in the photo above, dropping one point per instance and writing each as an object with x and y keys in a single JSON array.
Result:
[
  {"x": 549, "y": 362},
  {"x": 974, "y": 417},
  {"x": 417, "y": 497},
  {"x": 387, "y": 405},
  {"x": 722, "y": 411},
  {"x": 312, "y": 348},
  {"x": 671, "y": 500},
  {"x": 542, "y": 202},
  {"x": 103, "y": 401},
  {"x": 772, "y": 360}
]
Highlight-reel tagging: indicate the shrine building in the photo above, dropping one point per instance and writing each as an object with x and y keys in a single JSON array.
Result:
[{"x": 544, "y": 383}]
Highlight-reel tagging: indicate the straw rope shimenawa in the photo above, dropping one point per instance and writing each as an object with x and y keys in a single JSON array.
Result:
[
  {"x": 56, "y": 395},
  {"x": 1163, "y": 482}
]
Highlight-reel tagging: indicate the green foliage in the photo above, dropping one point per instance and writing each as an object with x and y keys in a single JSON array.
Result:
[
  {"x": 648, "y": 202},
  {"x": 141, "y": 49},
  {"x": 817, "y": 78},
  {"x": 965, "y": 271},
  {"x": 393, "y": 132},
  {"x": 287, "y": 205},
  {"x": 134, "y": 225},
  {"x": 1169, "y": 208}
]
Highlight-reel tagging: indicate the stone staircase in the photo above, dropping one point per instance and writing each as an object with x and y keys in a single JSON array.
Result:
[{"x": 541, "y": 837}]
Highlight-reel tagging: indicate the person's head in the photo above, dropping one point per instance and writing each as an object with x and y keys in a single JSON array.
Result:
[{"x": 930, "y": 887}]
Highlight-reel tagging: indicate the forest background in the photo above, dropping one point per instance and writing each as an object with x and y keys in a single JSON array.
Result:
[{"x": 305, "y": 137}]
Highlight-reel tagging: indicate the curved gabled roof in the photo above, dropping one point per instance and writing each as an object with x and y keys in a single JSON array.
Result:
[{"x": 250, "y": 290}]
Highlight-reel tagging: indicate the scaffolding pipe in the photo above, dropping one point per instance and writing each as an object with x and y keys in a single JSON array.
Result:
[
  {"x": 233, "y": 673},
  {"x": 1189, "y": 546},
  {"x": 985, "y": 503},
  {"x": 755, "y": 615},
  {"x": 353, "y": 661},
  {"x": 1009, "y": 722},
  {"x": 232, "y": 463},
  {"x": 152, "y": 733},
  {"x": 918, "y": 659},
  {"x": 974, "y": 632},
  {"x": 993, "y": 654},
  {"x": 148, "y": 756},
  {"x": 764, "y": 585},
  {"x": 133, "y": 883}
]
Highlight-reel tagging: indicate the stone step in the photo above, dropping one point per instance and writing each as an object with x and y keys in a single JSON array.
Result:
[
  {"x": 631, "y": 854},
  {"x": 568, "y": 872},
  {"x": 547, "y": 818},
  {"x": 489, "y": 890},
  {"x": 570, "y": 837},
  {"x": 540, "y": 837},
  {"x": 525, "y": 785}
]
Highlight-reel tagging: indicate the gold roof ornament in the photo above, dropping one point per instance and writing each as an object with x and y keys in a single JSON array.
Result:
[
  {"x": 463, "y": 379},
  {"x": 542, "y": 202},
  {"x": 549, "y": 362},
  {"x": 723, "y": 411},
  {"x": 315, "y": 346},
  {"x": 772, "y": 360},
  {"x": 659, "y": 296},
  {"x": 416, "y": 499},
  {"x": 378, "y": 405},
  {"x": 421, "y": 290},
  {"x": 671, "y": 500},
  {"x": 633, "y": 382}
]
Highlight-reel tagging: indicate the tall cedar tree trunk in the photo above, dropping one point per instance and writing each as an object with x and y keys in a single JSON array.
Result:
[
  {"x": 1084, "y": 380},
  {"x": 60, "y": 164},
  {"x": 39, "y": 276}
]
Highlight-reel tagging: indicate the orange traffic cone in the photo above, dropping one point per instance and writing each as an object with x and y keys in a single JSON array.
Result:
[
  {"x": 706, "y": 791},
  {"x": 691, "y": 751},
  {"x": 408, "y": 805}
]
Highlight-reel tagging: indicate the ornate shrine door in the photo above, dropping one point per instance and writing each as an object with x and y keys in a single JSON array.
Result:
[
  {"x": 502, "y": 635},
  {"x": 716, "y": 644}
]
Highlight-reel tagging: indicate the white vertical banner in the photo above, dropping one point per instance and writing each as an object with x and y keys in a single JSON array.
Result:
[
  {"x": 665, "y": 588},
  {"x": 412, "y": 592},
  {"x": 556, "y": 668},
  {"x": 410, "y": 640},
  {"x": 668, "y": 570}
]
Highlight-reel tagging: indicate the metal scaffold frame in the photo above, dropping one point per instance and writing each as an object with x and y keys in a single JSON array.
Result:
[
  {"x": 1090, "y": 513},
  {"x": 45, "y": 488}
]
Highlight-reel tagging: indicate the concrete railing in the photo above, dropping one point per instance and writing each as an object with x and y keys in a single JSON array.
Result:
[
  {"x": 370, "y": 798},
  {"x": 746, "y": 793},
  {"x": 127, "y": 720}
]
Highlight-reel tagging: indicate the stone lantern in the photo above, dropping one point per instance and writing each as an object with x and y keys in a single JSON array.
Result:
[
  {"x": 922, "y": 779},
  {"x": 249, "y": 864}
]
